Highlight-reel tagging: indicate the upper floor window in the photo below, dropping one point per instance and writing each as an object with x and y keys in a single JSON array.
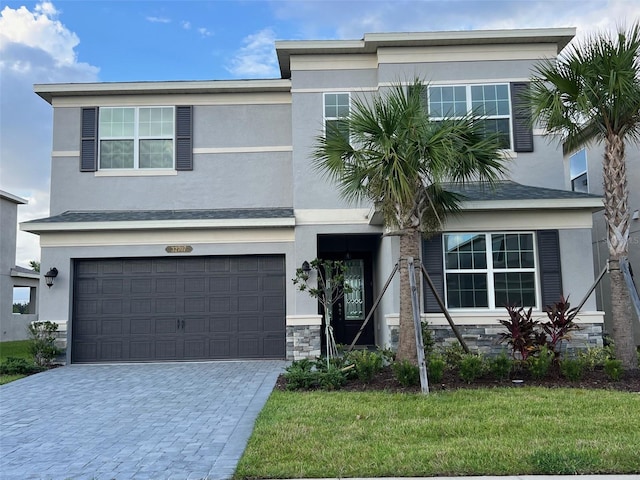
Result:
[
  {"x": 490, "y": 101},
  {"x": 336, "y": 109},
  {"x": 136, "y": 137},
  {"x": 490, "y": 270},
  {"x": 578, "y": 171}
]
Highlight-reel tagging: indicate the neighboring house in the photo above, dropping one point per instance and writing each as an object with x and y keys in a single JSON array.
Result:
[
  {"x": 180, "y": 211},
  {"x": 584, "y": 174},
  {"x": 13, "y": 326}
]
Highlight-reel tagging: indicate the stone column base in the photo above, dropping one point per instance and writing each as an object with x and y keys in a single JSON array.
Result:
[{"x": 304, "y": 337}]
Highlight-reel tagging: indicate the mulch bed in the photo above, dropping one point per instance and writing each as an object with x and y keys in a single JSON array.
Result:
[{"x": 385, "y": 381}]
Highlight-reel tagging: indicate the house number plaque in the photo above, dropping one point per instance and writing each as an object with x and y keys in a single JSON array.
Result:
[{"x": 179, "y": 249}]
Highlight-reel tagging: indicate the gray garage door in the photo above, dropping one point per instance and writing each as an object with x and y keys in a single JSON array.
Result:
[{"x": 179, "y": 308}]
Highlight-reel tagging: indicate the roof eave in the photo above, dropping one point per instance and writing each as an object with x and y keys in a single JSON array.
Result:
[
  {"x": 48, "y": 91},
  {"x": 372, "y": 41}
]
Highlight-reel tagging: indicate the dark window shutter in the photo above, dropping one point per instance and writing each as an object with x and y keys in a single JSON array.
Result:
[
  {"x": 521, "y": 118},
  {"x": 184, "y": 140},
  {"x": 432, "y": 261},
  {"x": 549, "y": 262},
  {"x": 89, "y": 140}
]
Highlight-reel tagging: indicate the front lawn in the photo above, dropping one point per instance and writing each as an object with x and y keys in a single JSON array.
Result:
[
  {"x": 14, "y": 349},
  {"x": 502, "y": 431}
]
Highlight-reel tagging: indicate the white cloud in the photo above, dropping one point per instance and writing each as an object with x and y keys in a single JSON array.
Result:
[
  {"x": 353, "y": 18},
  {"x": 257, "y": 58},
  {"x": 158, "y": 20},
  {"x": 186, "y": 25},
  {"x": 204, "y": 32},
  {"x": 35, "y": 47}
]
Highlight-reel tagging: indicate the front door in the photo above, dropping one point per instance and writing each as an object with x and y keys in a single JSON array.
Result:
[{"x": 350, "y": 311}]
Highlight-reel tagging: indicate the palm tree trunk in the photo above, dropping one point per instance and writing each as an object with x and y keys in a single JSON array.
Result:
[
  {"x": 409, "y": 247},
  {"x": 616, "y": 197}
]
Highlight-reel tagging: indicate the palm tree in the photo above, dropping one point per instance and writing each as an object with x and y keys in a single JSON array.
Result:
[
  {"x": 592, "y": 93},
  {"x": 389, "y": 153}
]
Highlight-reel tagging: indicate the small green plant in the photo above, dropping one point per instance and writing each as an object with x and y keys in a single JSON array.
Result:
[
  {"x": 595, "y": 357},
  {"x": 406, "y": 373},
  {"x": 501, "y": 366},
  {"x": 572, "y": 369},
  {"x": 428, "y": 341},
  {"x": 613, "y": 369},
  {"x": 332, "y": 379},
  {"x": 18, "y": 366},
  {"x": 453, "y": 355},
  {"x": 471, "y": 367},
  {"x": 367, "y": 364},
  {"x": 436, "y": 366},
  {"x": 540, "y": 364},
  {"x": 300, "y": 375},
  {"x": 43, "y": 336}
]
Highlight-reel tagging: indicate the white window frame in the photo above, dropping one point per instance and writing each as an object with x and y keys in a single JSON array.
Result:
[
  {"x": 585, "y": 172},
  {"x": 489, "y": 271},
  {"x": 136, "y": 139},
  {"x": 326, "y": 118},
  {"x": 469, "y": 103}
]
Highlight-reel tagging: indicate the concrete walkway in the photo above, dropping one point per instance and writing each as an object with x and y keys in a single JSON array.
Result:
[{"x": 181, "y": 421}]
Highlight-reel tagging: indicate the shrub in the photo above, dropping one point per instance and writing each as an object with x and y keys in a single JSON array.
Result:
[
  {"x": 453, "y": 355},
  {"x": 406, "y": 373},
  {"x": 332, "y": 379},
  {"x": 367, "y": 364},
  {"x": 471, "y": 367},
  {"x": 299, "y": 375},
  {"x": 540, "y": 364},
  {"x": 18, "y": 366},
  {"x": 560, "y": 323},
  {"x": 520, "y": 334},
  {"x": 595, "y": 357},
  {"x": 428, "y": 342},
  {"x": 42, "y": 345},
  {"x": 572, "y": 369},
  {"x": 501, "y": 366},
  {"x": 435, "y": 368},
  {"x": 613, "y": 369}
]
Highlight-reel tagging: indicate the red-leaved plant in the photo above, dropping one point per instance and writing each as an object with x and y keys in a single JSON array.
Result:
[
  {"x": 560, "y": 324},
  {"x": 520, "y": 335}
]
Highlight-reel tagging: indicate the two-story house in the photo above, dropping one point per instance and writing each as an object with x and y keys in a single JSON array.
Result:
[{"x": 180, "y": 211}]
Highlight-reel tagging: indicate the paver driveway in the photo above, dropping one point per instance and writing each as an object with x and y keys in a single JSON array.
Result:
[{"x": 143, "y": 421}]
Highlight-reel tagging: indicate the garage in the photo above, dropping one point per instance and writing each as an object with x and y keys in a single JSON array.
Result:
[{"x": 178, "y": 309}]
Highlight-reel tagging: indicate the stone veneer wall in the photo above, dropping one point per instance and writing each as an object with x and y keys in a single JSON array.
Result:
[
  {"x": 484, "y": 338},
  {"x": 303, "y": 341}
]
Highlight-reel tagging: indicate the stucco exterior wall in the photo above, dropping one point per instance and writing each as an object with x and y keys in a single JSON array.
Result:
[{"x": 240, "y": 153}]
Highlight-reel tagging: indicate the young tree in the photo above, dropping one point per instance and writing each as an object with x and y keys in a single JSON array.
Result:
[
  {"x": 388, "y": 152},
  {"x": 592, "y": 93}
]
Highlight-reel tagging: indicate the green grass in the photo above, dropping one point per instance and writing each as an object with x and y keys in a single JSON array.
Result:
[
  {"x": 10, "y": 378},
  {"x": 18, "y": 348},
  {"x": 467, "y": 432}
]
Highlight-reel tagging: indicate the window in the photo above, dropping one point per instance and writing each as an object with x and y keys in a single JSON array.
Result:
[
  {"x": 490, "y": 270},
  {"x": 578, "y": 171},
  {"x": 489, "y": 101},
  {"x": 136, "y": 137},
  {"x": 336, "y": 109}
]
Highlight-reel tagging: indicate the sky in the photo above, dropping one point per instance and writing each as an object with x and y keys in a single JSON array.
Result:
[{"x": 121, "y": 41}]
